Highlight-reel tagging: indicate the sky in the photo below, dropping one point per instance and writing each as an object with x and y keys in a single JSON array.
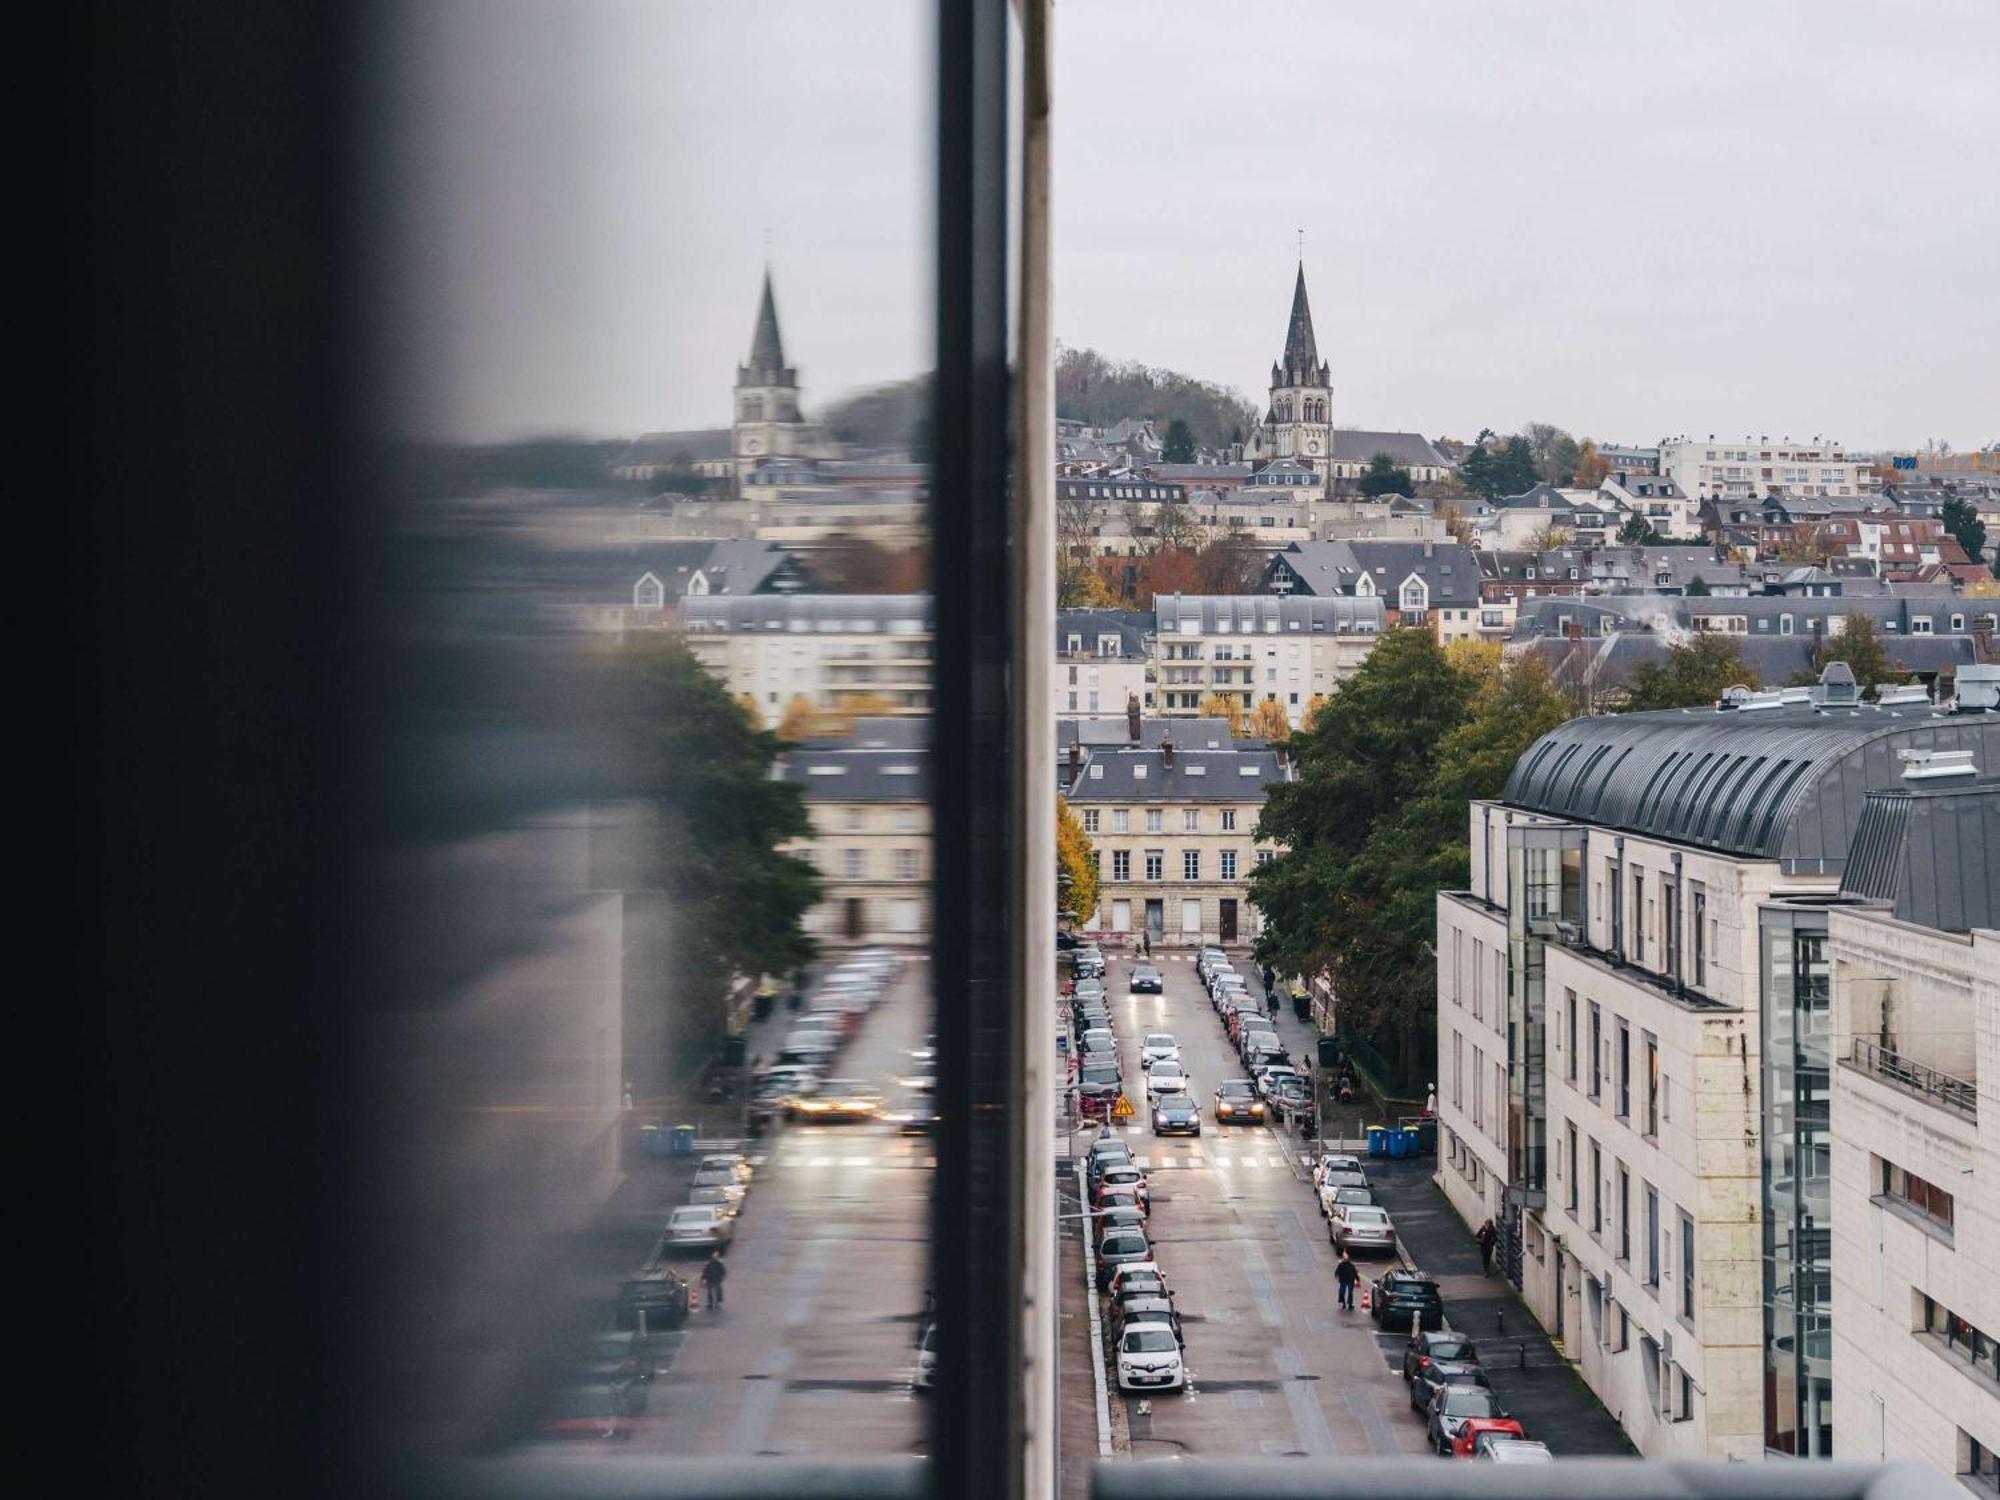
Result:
[{"x": 1633, "y": 221}]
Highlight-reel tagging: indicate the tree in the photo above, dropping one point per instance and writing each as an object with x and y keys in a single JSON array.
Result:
[
  {"x": 800, "y": 722},
  {"x": 1692, "y": 675},
  {"x": 1231, "y": 564},
  {"x": 1076, "y": 897},
  {"x": 1459, "y": 525},
  {"x": 838, "y": 719},
  {"x": 1592, "y": 467},
  {"x": 1860, "y": 646},
  {"x": 719, "y": 820},
  {"x": 1382, "y": 477},
  {"x": 752, "y": 710},
  {"x": 1638, "y": 532},
  {"x": 1098, "y": 391},
  {"x": 1171, "y": 570},
  {"x": 1224, "y": 706},
  {"x": 1550, "y": 538},
  {"x": 1494, "y": 468},
  {"x": 1268, "y": 722},
  {"x": 851, "y": 564},
  {"x": 1178, "y": 445},
  {"x": 1698, "y": 587},
  {"x": 1080, "y": 582},
  {"x": 1315, "y": 706},
  {"x": 1963, "y": 522}
]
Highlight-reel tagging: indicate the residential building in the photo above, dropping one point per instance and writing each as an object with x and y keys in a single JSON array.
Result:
[
  {"x": 833, "y": 650},
  {"x": 1104, "y": 659},
  {"x": 1432, "y": 584},
  {"x": 1667, "y": 508},
  {"x": 1574, "y": 517},
  {"x": 1915, "y": 1235},
  {"x": 1175, "y": 831},
  {"x": 1626, "y": 997},
  {"x": 868, "y": 795},
  {"x": 1750, "y": 468},
  {"x": 1256, "y": 648}
]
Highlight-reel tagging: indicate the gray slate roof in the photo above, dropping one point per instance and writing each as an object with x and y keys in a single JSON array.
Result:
[
  {"x": 1783, "y": 784},
  {"x": 1111, "y": 733},
  {"x": 1933, "y": 853},
  {"x": 847, "y": 775},
  {"x": 1196, "y": 776},
  {"x": 1325, "y": 569},
  {"x": 1354, "y": 445},
  {"x": 734, "y": 612},
  {"x": 745, "y": 567},
  {"x": 1131, "y": 626},
  {"x": 1269, "y": 614},
  {"x": 665, "y": 447}
]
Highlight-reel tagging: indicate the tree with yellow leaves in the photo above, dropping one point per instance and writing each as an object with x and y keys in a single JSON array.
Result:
[
  {"x": 1479, "y": 660},
  {"x": 1224, "y": 706},
  {"x": 800, "y": 722},
  {"x": 1314, "y": 706},
  {"x": 1268, "y": 721},
  {"x": 1076, "y": 896}
]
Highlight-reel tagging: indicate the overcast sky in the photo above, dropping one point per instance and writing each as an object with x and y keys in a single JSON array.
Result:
[{"x": 1629, "y": 220}]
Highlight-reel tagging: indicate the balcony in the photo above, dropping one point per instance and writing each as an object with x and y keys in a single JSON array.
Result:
[{"x": 1957, "y": 1094}]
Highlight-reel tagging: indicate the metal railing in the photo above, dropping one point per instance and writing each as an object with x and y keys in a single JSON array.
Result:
[{"x": 1958, "y": 1094}]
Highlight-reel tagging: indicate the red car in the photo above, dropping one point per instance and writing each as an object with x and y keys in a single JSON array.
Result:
[{"x": 1472, "y": 1427}]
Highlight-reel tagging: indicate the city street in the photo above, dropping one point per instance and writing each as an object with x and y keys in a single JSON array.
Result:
[
  {"x": 1275, "y": 1367},
  {"x": 813, "y": 1350}
]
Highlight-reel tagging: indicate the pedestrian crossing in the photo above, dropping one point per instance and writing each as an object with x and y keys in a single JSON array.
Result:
[
  {"x": 1167, "y": 1161},
  {"x": 1221, "y": 1161}
]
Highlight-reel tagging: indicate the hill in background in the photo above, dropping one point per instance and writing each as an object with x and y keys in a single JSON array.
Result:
[{"x": 1099, "y": 391}]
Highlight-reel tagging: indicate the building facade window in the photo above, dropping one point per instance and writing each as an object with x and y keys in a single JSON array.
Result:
[
  {"x": 1569, "y": 1032},
  {"x": 1575, "y": 1168},
  {"x": 1624, "y": 1213},
  {"x": 1191, "y": 820},
  {"x": 1652, "y": 1120},
  {"x": 1155, "y": 820},
  {"x": 1596, "y": 1188},
  {"x": 1190, "y": 864},
  {"x": 1624, "y": 1110},
  {"x": 1228, "y": 864},
  {"x": 1687, "y": 1269},
  {"x": 1596, "y": 1051},
  {"x": 1652, "y": 1236},
  {"x": 1156, "y": 860},
  {"x": 1229, "y": 820},
  {"x": 1121, "y": 820},
  {"x": 1121, "y": 864},
  {"x": 1910, "y": 1190},
  {"x": 1090, "y": 820}
]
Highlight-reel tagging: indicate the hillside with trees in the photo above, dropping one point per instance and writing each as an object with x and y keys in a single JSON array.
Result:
[
  {"x": 887, "y": 416},
  {"x": 1099, "y": 391}
]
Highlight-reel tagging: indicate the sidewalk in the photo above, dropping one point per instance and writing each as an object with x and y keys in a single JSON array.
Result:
[{"x": 1533, "y": 1380}]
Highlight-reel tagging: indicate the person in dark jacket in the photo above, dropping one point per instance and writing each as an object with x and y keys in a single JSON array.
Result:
[
  {"x": 1487, "y": 1236},
  {"x": 712, "y": 1276},
  {"x": 1347, "y": 1274}
]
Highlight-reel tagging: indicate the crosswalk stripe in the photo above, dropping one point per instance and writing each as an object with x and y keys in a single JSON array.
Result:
[
  {"x": 857, "y": 1161},
  {"x": 820, "y": 1161}
]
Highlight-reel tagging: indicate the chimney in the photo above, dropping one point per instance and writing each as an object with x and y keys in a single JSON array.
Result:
[
  {"x": 1167, "y": 753},
  {"x": 1132, "y": 717},
  {"x": 1075, "y": 759}
]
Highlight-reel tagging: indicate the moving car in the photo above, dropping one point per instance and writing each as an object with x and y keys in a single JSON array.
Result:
[
  {"x": 915, "y": 1113},
  {"x": 1149, "y": 1358},
  {"x": 1399, "y": 1294},
  {"x": 1176, "y": 1114},
  {"x": 698, "y": 1226},
  {"x": 1146, "y": 980},
  {"x": 840, "y": 1101},
  {"x": 1452, "y": 1407},
  {"x": 1476, "y": 1430},
  {"x": 1361, "y": 1228},
  {"x": 1165, "y": 1078},
  {"x": 1498, "y": 1448},
  {"x": 1236, "y": 1103},
  {"x": 924, "y": 1377},
  {"x": 1158, "y": 1046}
]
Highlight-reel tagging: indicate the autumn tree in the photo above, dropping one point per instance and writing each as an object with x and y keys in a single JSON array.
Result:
[
  {"x": 1224, "y": 706},
  {"x": 1171, "y": 570},
  {"x": 1459, "y": 525},
  {"x": 1694, "y": 674},
  {"x": 1592, "y": 467},
  {"x": 1315, "y": 706},
  {"x": 1550, "y": 538},
  {"x": 800, "y": 722},
  {"x": 1231, "y": 564},
  {"x": 1076, "y": 869},
  {"x": 1860, "y": 645},
  {"x": 1268, "y": 721}
]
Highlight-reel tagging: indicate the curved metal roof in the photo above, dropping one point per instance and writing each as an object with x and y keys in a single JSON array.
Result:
[{"x": 1784, "y": 784}]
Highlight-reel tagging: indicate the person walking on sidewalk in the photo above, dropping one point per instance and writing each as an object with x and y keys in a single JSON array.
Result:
[
  {"x": 1145, "y": 945},
  {"x": 1347, "y": 1274},
  {"x": 712, "y": 1276},
  {"x": 1486, "y": 1236}
]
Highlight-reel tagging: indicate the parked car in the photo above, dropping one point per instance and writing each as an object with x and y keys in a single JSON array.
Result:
[
  {"x": 1236, "y": 1103},
  {"x": 1361, "y": 1228},
  {"x": 1120, "y": 1211},
  {"x": 1350, "y": 1195},
  {"x": 660, "y": 1292},
  {"x": 1145, "y": 1308},
  {"x": 1089, "y": 989},
  {"x": 1149, "y": 1358},
  {"x": 1123, "y": 1176},
  {"x": 1176, "y": 1114},
  {"x": 1452, "y": 1407},
  {"x": 698, "y": 1226},
  {"x": 1122, "y": 1197},
  {"x": 1499, "y": 1448},
  {"x": 1399, "y": 1293},
  {"x": 1121, "y": 1247},
  {"x": 1138, "y": 1276},
  {"x": 1146, "y": 980},
  {"x": 1331, "y": 1182},
  {"x": 1424, "y": 1347},
  {"x": 1475, "y": 1430},
  {"x": 1436, "y": 1375},
  {"x": 726, "y": 1196},
  {"x": 1105, "y": 1150}
]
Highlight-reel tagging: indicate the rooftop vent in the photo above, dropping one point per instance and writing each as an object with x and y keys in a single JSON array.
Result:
[
  {"x": 1837, "y": 686},
  {"x": 1909, "y": 692},
  {"x": 1936, "y": 765}
]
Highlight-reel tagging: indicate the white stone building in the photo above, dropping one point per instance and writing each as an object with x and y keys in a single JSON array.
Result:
[
  {"x": 1646, "y": 921},
  {"x": 1751, "y": 468},
  {"x": 1104, "y": 660},
  {"x": 1259, "y": 647},
  {"x": 833, "y": 650},
  {"x": 868, "y": 795}
]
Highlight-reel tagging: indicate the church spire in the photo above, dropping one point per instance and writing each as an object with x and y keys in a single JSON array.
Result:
[
  {"x": 767, "y": 350},
  {"x": 1301, "y": 353}
]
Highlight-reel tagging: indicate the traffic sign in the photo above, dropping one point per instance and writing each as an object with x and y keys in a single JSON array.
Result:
[
  {"x": 1122, "y": 1110},
  {"x": 1062, "y": 1042}
]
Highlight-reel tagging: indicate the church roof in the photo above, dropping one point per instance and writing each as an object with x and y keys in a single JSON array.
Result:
[
  {"x": 767, "y": 349},
  {"x": 1301, "y": 352}
]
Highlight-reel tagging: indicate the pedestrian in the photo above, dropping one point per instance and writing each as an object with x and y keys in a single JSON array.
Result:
[
  {"x": 1145, "y": 945},
  {"x": 1347, "y": 1274},
  {"x": 1486, "y": 1236},
  {"x": 1431, "y": 1101},
  {"x": 712, "y": 1276},
  {"x": 1270, "y": 980}
]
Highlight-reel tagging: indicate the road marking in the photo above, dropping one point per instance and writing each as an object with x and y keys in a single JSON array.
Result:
[
  {"x": 820, "y": 1161},
  {"x": 857, "y": 1161}
]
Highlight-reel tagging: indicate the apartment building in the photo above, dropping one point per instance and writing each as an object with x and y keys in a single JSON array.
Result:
[
  {"x": 1256, "y": 648},
  {"x": 1431, "y": 584},
  {"x": 868, "y": 795},
  {"x": 1752, "y": 468},
  {"x": 1104, "y": 660},
  {"x": 1631, "y": 1049},
  {"x": 830, "y": 649},
  {"x": 1175, "y": 832},
  {"x": 1915, "y": 1241}
]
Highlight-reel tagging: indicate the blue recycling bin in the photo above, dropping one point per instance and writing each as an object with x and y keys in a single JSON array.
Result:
[
  {"x": 1378, "y": 1140},
  {"x": 1413, "y": 1142},
  {"x": 683, "y": 1140},
  {"x": 1399, "y": 1143}
]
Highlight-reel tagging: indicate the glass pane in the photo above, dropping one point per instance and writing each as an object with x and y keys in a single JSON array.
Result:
[{"x": 657, "y": 1074}]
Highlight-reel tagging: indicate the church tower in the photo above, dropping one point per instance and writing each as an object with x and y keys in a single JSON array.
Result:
[
  {"x": 766, "y": 423},
  {"x": 1299, "y": 421}
]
